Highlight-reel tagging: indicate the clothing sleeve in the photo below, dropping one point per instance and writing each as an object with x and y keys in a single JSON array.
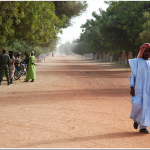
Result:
[
  {"x": 132, "y": 80},
  {"x": 13, "y": 59},
  {"x": 134, "y": 66},
  {"x": 33, "y": 59},
  {"x": 8, "y": 60}
]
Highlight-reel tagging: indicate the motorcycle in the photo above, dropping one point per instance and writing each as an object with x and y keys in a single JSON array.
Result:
[{"x": 21, "y": 69}]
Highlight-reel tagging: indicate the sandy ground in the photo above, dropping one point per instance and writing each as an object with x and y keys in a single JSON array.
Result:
[{"x": 73, "y": 103}]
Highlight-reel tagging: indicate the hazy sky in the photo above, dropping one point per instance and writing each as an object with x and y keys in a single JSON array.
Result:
[{"x": 73, "y": 32}]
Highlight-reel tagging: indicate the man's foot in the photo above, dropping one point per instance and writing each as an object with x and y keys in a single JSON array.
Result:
[
  {"x": 25, "y": 81},
  {"x": 32, "y": 81},
  {"x": 135, "y": 125},
  {"x": 144, "y": 130},
  {"x": 8, "y": 83}
]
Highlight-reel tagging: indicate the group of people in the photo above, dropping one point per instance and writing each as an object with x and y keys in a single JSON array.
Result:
[{"x": 7, "y": 65}]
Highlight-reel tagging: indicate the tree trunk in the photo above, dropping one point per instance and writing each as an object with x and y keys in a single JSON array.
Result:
[
  {"x": 136, "y": 54},
  {"x": 115, "y": 55},
  {"x": 99, "y": 56},
  {"x": 106, "y": 56},
  {"x": 94, "y": 54},
  {"x": 126, "y": 58},
  {"x": 120, "y": 57},
  {"x": 133, "y": 54},
  {"x": 110, "y": 57}
]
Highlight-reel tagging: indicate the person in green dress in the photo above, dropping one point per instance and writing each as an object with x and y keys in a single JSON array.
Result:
[{"x": 31, "y": 73}]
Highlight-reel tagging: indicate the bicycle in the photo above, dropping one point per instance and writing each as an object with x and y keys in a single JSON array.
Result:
[{"x": 21, "y": 69}]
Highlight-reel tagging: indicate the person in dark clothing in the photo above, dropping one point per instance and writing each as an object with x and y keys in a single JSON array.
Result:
[
  {"x": 4, "y": 64},
  {"x": 26, "y": 60}
]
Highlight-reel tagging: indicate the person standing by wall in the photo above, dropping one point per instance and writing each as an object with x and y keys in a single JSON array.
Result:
[
  {"x": 140, "y": 89},
  {"x": 4, "y": 63},
  {"x": 11, "y": 67}
]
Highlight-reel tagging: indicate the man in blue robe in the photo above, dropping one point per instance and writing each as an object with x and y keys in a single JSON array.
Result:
[{"x": 140, "y": 89}]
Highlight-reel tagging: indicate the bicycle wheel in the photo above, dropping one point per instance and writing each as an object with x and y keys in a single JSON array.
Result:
[{"x": 17, "y": 74}]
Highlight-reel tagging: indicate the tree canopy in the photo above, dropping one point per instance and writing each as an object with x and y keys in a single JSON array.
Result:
[
  {"x": 124, "y": 26},
  {"x": 36, "y": 22},
  {"x": 70, "y": 9}
]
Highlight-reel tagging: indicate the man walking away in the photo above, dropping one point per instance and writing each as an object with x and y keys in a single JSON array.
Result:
[
  {"x": 4, "y": 63},
  {"x": 140, "y": 89}
]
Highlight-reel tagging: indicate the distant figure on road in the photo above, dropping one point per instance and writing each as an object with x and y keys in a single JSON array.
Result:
[
  {"x": 140, "y": 89},
  {"x": 44, "y": 56},
  {"x": 4, "y": 63},
  {"x": 52, "y": 54},
  {"x": 31, "y": 74}
]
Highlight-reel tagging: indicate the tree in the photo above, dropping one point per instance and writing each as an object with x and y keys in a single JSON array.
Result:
[
  {"x": 36, "y": 22},
  {"x": 40, "y": 24},
  {"x": 81, "y": 49},
  {"x": 8, "y": 16},
  {"x": 67, "y": 48},
  {"x": 145, "y": 34},
  {"x": 30, "y": 21},
  {"x": 70, "y": 9},
  {"x": 117, "y": 29}
]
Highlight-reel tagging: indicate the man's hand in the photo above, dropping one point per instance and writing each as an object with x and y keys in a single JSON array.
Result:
[{"x": 132, "y": 92}]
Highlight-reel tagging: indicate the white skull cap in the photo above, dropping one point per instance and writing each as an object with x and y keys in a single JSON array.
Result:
[{"x": 32, "y": 52}]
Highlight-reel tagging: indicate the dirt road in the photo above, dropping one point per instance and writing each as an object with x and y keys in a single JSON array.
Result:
[{"x": 73, "y": 103}]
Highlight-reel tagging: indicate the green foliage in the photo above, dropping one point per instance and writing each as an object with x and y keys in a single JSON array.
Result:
[
  {"x": 81, "y": 49},
  {"x": 35, "y": 23},
  {"x": 117, "y": 28},
  {"x": 70, "y": 9},
  {"x": 145, "y": 34},
  {"x": 40, "y": 24},
  {"x": 23, "y": 47},
  {"x": 30, "y": 21}
]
